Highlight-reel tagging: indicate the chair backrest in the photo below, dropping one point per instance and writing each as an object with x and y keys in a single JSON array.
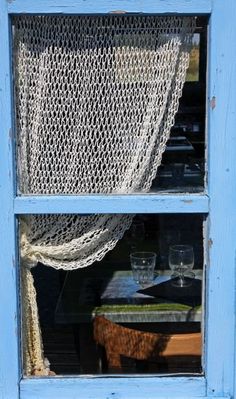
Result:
[{"x": 122, "y": 341}]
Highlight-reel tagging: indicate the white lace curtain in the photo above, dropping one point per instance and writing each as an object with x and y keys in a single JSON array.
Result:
[{"x": 96, "y": 97}]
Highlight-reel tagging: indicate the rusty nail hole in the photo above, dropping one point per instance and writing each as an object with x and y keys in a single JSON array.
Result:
[
  {"x": 210, "y": 242},
  {"x": 118, "y": 12},
  {"x": 213, "y": 102}
]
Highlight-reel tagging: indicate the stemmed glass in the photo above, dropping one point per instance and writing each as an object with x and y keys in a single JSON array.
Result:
[{"x": 181, "y": 260}]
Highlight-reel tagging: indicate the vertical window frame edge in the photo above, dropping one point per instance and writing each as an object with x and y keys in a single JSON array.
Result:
[{"x": 9, "y": 307}]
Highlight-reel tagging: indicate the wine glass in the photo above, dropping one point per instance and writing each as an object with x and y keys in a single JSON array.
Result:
[
  {"x": 181, "y": 260},
  {"x": 143, "y": 265}
]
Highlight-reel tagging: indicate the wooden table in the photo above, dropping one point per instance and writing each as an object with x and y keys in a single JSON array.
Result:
[{"x": 117, "y": 299}]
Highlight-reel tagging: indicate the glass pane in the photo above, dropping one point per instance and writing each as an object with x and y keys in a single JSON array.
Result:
[
  {"x": 194, "y": 63},
  {"x": 138, "y": 310},
  {"x": 97, "y": 100},
  {"x": 183, "y": 163}
]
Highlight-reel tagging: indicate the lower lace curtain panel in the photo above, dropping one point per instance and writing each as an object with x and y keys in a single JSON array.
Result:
[{"x": 96, "y": 97}]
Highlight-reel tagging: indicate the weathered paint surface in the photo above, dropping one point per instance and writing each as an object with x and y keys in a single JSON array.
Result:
[
  {"x": 106, "y": 6},
  {"x": 113, "y": 388},
  {"x": 220, "y": 284},
  {"x": 84, "y": 204},
  {"x": 9, "y": 332}
]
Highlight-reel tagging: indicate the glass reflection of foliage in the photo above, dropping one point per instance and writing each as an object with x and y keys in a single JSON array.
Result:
[{"x": 193, "y": 70}]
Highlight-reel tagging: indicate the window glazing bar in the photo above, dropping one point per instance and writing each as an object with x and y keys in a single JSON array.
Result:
[{"x": 84, "y": 204}]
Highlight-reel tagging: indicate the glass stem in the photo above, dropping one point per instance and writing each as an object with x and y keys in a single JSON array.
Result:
[{"x": 181, "y": 274}]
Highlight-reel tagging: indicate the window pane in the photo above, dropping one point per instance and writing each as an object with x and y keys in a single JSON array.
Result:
[
  {"x": 117, "y": 315},
  {"x": 183, "y": 163},
  {"x": 97, "y": 99},
  {"x": 194, "y": 63}
]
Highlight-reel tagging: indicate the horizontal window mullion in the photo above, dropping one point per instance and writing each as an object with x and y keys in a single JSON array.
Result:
[
  {"x": 84, "y": 204},
  {"x": 193, "y": 7}
]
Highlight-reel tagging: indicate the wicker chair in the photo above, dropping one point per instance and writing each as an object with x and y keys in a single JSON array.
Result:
[{"x": 120, "y": 341}]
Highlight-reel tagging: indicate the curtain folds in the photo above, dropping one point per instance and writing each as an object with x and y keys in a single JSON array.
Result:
[{"x": 96, "y": 97}]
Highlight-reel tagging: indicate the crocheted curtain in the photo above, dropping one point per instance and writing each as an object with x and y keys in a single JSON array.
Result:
[{"x": 96, "y": 97}]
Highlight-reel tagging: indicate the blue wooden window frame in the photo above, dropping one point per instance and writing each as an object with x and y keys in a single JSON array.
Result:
[{"x": 219, "y": 201}]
